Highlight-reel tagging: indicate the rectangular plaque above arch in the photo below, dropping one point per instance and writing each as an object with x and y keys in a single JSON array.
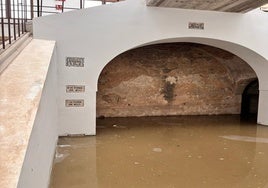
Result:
[{"x": 196, "y": 25}]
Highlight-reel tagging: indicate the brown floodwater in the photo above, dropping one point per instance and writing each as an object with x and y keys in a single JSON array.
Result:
[{"x": 165, "y": 152}]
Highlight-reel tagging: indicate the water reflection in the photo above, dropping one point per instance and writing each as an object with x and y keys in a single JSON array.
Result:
[
  {"x": 185, "y": 151},
  {"x": 246, "y": 138}
]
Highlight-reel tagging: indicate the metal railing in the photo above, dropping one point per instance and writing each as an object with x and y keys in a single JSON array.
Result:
[
  {"x": 14, "y": 15},
  {"x": 13, "y": 20}
]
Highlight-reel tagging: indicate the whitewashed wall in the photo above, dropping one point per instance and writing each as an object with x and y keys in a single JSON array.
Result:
[
  {"x": 101, "y": 33},
  {"x": 40, "y": 152}
]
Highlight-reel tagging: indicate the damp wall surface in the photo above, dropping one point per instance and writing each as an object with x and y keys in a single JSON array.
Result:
[
  {"x": 100, "y": 34},
  {"x": 173, "y": 79}
]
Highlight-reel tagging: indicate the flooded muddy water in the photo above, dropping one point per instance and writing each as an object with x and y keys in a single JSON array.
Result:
[{"x": 165, "y": 152}]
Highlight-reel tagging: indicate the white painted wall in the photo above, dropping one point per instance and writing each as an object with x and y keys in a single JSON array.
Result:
[
  {"x": 43, "y": 140},
  {"x": 101, "y": 33}
]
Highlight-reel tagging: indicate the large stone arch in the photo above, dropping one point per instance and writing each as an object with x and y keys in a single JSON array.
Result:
[
  {"x": 258, "y": 63},
  {"x": 173, "y": 79}
]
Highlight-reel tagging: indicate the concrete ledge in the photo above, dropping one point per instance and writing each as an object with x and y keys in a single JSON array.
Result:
[
  {"x": 28, "y": 117},
  {"x": 13, "y": 51}
]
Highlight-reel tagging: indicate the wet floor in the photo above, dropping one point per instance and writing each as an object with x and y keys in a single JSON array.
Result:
[{"x": 185, "y": 151}]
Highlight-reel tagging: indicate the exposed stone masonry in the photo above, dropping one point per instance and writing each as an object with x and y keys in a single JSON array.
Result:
[{"x": 173, "y": 79}]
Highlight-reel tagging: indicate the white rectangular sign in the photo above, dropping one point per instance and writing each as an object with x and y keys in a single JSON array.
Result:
[
  {"x": 74, "y": 103},
  {"x": 75, "y": 89}
]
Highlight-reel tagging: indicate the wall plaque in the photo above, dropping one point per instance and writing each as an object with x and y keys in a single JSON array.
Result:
[
  {"x": 75, "y": 89},
  {"x": 75, "y": 61},
  {"x": 74, "y": 103},
  {"x": 196, "y": 25}
]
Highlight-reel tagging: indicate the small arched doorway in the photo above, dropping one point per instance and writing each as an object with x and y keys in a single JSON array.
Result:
[{"x": 250, "y": 100}]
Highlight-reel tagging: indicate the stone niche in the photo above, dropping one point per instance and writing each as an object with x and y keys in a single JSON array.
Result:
[{"x": 173, "y": 79}]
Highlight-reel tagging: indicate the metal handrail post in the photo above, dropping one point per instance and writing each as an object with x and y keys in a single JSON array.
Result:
[
  {"x": 14, "y": 20},
  {"x": 8, "y": 14},
  {"x": 2, "y": 25},
  {"x": 18, "y": 12}
]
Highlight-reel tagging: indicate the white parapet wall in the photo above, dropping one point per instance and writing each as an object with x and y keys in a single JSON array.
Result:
[
  {"x": 97, "y": 35},
  {"x": 29, "y": 117},
  {"x": 40, "y": 152}
]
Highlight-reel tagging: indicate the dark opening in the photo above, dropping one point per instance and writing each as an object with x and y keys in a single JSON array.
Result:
[{"x": 250, "y": 100}]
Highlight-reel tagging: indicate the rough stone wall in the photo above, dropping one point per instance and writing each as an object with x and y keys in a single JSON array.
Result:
[{"x": 173, "y": 79}]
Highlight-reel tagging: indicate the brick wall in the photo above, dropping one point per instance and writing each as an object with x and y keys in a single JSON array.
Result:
[{"x": 173, "y": 79}]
